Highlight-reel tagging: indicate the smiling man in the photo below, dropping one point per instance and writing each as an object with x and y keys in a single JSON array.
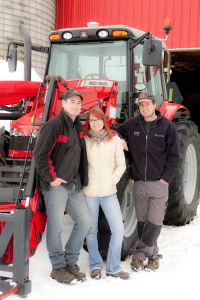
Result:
[
  {"x": 61, "y": 165},
  {"x": 154, "y": 146}
]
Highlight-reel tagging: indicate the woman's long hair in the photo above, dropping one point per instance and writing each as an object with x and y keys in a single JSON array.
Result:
[{"x": 98, "y": 113}]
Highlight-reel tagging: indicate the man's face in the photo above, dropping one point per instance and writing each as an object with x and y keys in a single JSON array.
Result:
[
  {"x": 72, "y": 106},
  {"x": 147, "y": 109}
]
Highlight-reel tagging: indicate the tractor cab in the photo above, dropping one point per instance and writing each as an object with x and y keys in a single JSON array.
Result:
[{"x": 101, "y": 54}]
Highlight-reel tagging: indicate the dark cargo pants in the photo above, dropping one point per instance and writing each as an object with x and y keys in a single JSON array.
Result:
[{"x": 150, "y": 198}]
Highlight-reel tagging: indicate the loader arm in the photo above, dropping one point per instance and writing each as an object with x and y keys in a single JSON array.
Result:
[{"x": 12, "y": 92}]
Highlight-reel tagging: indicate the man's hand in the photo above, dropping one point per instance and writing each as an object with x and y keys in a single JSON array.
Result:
[
  {"x": 164, "y": 181},
  {"x": 57, "y": 182},
  {"x": 124, "y": 144}
]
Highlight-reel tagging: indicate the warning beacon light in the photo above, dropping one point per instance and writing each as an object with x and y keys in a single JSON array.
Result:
[{"x": 167, "y": 25}]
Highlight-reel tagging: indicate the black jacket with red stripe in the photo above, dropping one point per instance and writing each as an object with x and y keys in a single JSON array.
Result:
[{"x": 51, "y": 147}]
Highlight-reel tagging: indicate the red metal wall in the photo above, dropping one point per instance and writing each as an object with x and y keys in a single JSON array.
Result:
[{"x": 141, "y": 14}]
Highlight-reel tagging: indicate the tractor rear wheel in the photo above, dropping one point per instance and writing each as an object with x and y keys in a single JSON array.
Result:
[{"x": 184, "y": 188}]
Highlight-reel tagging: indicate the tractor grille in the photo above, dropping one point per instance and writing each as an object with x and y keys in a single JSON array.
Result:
[{"x": 21, "y": 143}]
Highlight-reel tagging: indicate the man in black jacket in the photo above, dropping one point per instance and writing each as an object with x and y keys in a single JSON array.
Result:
[
  {"x": 154, "y": 146},
  {"x": 61, "y": 165}
]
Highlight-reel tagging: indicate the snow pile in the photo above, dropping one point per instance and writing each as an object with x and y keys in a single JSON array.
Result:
[
  {"x": 177, "y": 277},
  {"x": 5, "y": 75}
]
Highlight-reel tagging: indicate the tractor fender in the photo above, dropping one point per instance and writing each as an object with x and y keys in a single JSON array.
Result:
[{"x": 174, "y": 111}]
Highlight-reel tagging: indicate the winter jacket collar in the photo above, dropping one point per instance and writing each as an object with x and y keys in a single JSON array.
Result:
[
  {"x": 69, "y": 122},
  {"x": 140, "y": 119}
]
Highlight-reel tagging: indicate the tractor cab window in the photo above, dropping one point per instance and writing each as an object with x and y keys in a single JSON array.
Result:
[
  {"x": 96, "y": 60},
  {"x": 150, "y": 75}
]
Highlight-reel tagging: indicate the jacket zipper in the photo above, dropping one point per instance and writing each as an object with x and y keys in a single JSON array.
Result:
[
  {"x": 146, "y": 147},
  {"x": 146, "y": 159}
]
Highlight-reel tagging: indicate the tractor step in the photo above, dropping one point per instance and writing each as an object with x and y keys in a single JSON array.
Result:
[{"x": 16, "y": 225}]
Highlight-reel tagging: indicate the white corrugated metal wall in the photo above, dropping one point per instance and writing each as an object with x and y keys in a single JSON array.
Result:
[{"x": 38, "y": 17}]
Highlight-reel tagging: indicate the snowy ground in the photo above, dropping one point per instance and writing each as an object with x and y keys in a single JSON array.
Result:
[{"x": 177, "y": 277}]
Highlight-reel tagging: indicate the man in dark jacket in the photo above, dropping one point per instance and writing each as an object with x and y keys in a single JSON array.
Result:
[
  {"x": 61, "y": 165},
  {"x": 154, "y": 146}
]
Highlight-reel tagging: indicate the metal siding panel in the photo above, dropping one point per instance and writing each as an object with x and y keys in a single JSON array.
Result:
[
  {"x": 177, "y": 28},
  {"x": 194, "y": 24},
  {"x": 144, "y": 15},
  {"x": 186, "y": 15},
  {"x": 154, "y": 20},
  {"x": 137, "y": 15}
]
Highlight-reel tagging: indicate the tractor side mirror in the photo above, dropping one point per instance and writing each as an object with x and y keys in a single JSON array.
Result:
[
  {"x": 152, "y": 50},
  {"x": 12, "y": 60}
]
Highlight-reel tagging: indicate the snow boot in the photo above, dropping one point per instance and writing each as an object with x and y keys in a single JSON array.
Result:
[
  {"x": 95, "y": 274},
  {"x": 153, "y": 263},
  {"x": 74, "y": 270},
  {"x": 61, "y": 275},
  {"x": 137, "y": 265},
  {"x": 122, "y": 275}
]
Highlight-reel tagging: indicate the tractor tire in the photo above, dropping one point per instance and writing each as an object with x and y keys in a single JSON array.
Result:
[
  {"x": 185, "y": 186},
  {"x": 4, "y": 145},
  {"x": 125, "y": 197}
]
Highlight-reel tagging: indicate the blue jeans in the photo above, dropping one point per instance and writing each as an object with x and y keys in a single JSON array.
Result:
[
  {"x": 57, "y": 200},
  {"x": 111, "y": 208}
]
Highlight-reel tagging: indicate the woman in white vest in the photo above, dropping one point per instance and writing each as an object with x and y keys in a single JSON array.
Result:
[{"x": 106, "y": 165}]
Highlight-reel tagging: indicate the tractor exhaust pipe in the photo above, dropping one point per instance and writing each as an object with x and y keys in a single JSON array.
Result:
[{"x": 27, "y": 52}]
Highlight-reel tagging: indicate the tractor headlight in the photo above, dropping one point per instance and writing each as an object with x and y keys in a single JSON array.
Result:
[
  {"x": 67, "y": 35},
  {"x": 15, "y": 132},
  {"x": 102, "y": 33},
  {"x": 11, "y": 131},
  {"x": 35, "y": 133}
]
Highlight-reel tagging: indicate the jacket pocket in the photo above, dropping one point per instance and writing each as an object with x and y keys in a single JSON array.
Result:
[{"x": 115, "y": 179}]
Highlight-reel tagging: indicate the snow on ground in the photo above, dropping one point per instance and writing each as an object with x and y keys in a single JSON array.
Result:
[
  {"x": 18, "y": 75},
  {"x": 177, "y": 278}
]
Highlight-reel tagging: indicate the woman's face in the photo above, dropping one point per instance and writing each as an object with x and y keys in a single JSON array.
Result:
[{"x": 95, "y": 123}]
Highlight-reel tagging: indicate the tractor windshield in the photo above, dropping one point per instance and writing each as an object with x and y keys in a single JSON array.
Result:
[
  {"x": 97, "y": 60},
  {"x": 105, "y": 60}
]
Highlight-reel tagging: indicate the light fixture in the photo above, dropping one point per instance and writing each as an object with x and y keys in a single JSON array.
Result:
[
  {"x": 102, "y": 33},
  {"x": 119, "y": 32},
  {"x": 67, "y": 35},
  {"x": 54, "y": 37},
  {"x": 15, "y": 132},
  {"x": 35, "y": 133}
]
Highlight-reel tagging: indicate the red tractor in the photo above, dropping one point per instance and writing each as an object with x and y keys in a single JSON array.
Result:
[{"x": 110, "y": 65}]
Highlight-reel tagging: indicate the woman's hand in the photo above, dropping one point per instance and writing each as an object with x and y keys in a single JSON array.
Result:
[
  {"x": 124, "y": 144},
  {"x": 57, "y": 182}
]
